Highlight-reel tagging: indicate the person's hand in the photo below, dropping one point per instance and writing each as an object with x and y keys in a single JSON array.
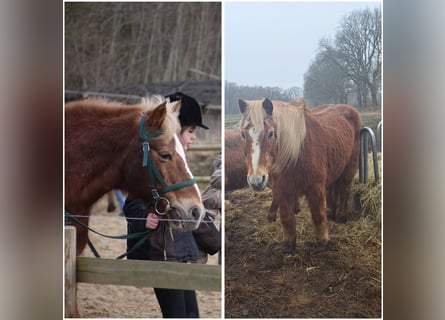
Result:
[{"x": 152, "y": 221}]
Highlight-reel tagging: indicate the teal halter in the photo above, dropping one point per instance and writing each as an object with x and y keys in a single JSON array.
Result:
[{"x": 153, "y": 171}]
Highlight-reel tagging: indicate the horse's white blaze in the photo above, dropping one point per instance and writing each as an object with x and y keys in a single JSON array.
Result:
[
  {"x": 181, "y": 152},
  {"x": 255, "y": 150}
]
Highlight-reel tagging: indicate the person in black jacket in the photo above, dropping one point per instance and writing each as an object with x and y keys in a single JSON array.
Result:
[{"x": 165, "y": 244}]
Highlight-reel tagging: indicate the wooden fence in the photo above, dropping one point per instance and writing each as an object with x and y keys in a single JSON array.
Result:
[
  {"x": 204, "y": 147},
  {"x": 133, "y": 273}
]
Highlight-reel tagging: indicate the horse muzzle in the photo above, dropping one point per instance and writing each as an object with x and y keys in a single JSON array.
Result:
[
  {"x": 186, "y": 219},
  {"x": 257, "y": 183}
]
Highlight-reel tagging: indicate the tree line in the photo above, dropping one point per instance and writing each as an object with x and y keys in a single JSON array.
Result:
[
  {"x": 233, "y": 92},
  {"x": 116, "y": 44},
  {"x": 346, "y": 69}
]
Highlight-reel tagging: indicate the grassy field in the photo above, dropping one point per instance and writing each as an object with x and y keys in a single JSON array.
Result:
[{"x": 231, "y": 121}]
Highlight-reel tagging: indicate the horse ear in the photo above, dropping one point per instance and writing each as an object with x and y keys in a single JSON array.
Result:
[
  {"x": 242, "y": 106},
  {"x": 268, "y": 106},
  {"x": 157, "y": 117},
  {"x": 176, "y": 107}
]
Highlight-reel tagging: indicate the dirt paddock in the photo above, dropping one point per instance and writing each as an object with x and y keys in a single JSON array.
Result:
[
  {"x": 111, "y": 301},
  {"x": 262, "y": 282}
]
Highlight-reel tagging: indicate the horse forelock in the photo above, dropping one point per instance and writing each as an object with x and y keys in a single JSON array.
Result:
[
  {"x": 256, "y": 114},
  {"x": 291, "y": 131},
  {"x": 171, "y": 125}
]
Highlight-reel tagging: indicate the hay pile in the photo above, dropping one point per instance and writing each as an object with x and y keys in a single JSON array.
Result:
[
  {"x": 342, "y": 282},
  {"x": 366, "y": 198}
]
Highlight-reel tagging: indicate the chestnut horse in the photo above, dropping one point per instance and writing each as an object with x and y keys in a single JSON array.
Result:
[
  {"x": 234, "y": 161},
  {"x": 134, "y": 148},
  {"x": 302, "y": 152}
]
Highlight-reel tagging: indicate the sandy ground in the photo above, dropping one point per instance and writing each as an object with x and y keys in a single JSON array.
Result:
[{"x": 111, "y": 301}]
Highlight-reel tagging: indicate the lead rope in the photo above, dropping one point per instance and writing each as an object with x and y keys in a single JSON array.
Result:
[{"x": 142, "y": 235}]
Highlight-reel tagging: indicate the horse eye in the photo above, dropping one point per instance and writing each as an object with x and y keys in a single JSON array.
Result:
[
  {"x": 270, "y": 135},
  {"x": 165, "y": 156},
  {"x": 243, "y": 135}
]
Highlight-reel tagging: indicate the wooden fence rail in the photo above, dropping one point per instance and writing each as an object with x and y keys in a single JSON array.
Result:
[
  {"x": 205, "y": 147},
  {"x": 149, "y": 274},
  {"x": 133, "y": 272}
]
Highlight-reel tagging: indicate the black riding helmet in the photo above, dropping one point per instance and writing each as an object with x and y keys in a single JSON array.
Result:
[{"x": 190, "y": 113}]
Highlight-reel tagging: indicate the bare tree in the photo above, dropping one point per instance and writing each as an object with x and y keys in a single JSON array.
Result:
[
  {"x": 293, "y": 93},
  {"x": 325, "y": 82},
  {"x": 114, "y": 44},
  {"x": 357, "y": 51}
]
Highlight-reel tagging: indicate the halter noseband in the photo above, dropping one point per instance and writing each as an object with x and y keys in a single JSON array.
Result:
[{"x": 147, "y": 161}]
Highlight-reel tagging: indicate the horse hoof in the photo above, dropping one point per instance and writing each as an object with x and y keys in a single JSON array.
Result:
[
  {"x": 271, "y": 219},
  {"x": 289, "y": 248},
  {"x": 340, "y": 219}
]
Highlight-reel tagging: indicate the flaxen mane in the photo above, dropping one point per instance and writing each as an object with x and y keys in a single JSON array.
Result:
[{"x": 289, "y": 141}]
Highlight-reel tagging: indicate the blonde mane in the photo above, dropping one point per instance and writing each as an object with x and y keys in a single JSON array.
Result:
[{"x": 291, "y": 129}]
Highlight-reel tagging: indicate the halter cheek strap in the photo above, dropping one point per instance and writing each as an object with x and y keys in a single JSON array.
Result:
[{"x": 153, "y": 171}]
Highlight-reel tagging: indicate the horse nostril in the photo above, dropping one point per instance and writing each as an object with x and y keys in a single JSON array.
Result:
[{"x": 196, "y": 213}]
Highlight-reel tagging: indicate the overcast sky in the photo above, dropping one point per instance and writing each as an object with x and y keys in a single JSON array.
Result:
[{"x": 273, "y": 43}]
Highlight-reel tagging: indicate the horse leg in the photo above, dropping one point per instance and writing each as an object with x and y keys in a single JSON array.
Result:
[
  {"x": 316, "y": 198},
  {"x": 297, "y": 207},
  {"x": 343, "y": 202},
  {"x": 81, "y": 235},
  {"x": 272, "y": 215},
  {"x": 343, "y": 188},
  {"x": 111, "y": 205},
  {"x": 331, "y": 201},
  {"x": 288, "y": 223}
]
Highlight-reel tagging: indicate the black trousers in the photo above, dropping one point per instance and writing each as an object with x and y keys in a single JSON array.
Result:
[{"x": 176, "y": 303}]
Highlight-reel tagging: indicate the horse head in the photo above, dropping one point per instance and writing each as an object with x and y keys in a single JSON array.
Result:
[
  {"x": 259, "y": 133},
  {"x": 163, "y": 177}
]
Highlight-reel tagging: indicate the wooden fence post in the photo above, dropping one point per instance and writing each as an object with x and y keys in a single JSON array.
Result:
[{"x": 70, "y": 271}]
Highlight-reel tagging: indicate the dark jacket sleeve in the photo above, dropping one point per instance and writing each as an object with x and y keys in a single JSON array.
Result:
[
  {"x": 186, "y": 249},
  {"x": 207, "y": 236},
  {"x": 159, "y": 246},
  {"x": 137, "y": 210}
]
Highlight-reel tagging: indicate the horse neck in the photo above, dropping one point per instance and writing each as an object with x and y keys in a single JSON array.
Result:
[{"x": 109, "y": 156}]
